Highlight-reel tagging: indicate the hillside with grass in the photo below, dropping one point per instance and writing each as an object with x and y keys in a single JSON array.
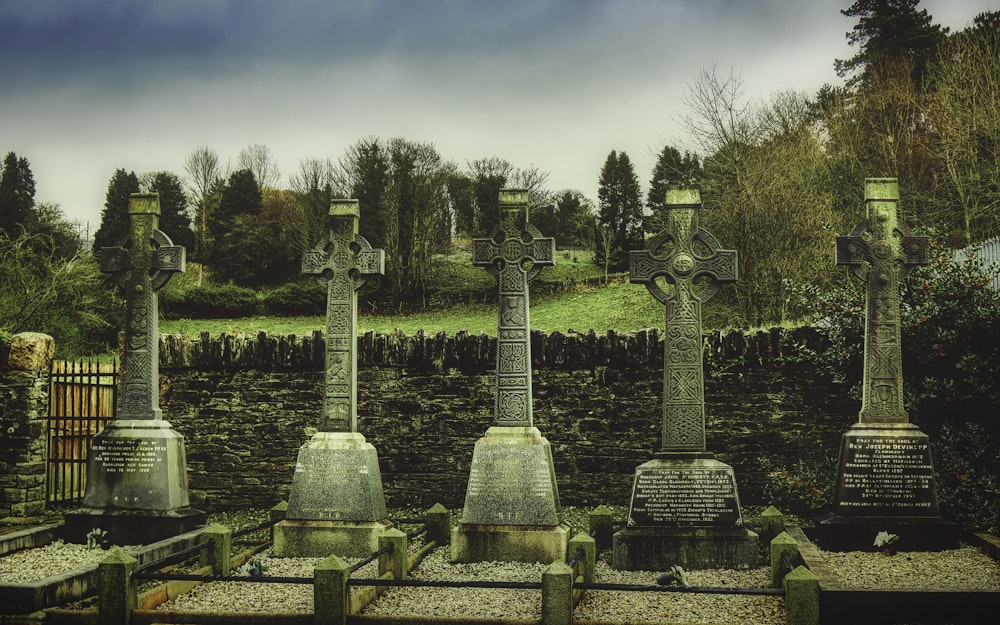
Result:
[{"x": 572, "y": 295}]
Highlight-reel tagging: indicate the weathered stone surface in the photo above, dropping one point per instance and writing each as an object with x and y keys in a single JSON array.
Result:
[
  {"x": 684, "y": 506},
  {"x": 245, "y": 404},
  {"x": 511, "y": 481},
  {"x": 31, "y": 351},
  {"x": 337, "y": 479},
  {"x": 885, "y": 475}
]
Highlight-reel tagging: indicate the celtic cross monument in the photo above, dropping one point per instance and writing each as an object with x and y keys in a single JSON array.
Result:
[
  {"x": 137, "y": 472},
  {"x": 512, "y": 499},
  {"x": 885, "y": 479},
  {"x": 337, "y": 504},
  {"x": 684, "y": 509}
]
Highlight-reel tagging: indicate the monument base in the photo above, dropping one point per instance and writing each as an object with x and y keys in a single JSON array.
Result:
[
  {"x": 685, "y": 511},
  {"x": 857, "y": 533},
  {"x": 512, "y": 480},
  {"x": 659, "y": 548},
  {"x": 509, "y": 543},
  {"x": 131, "y": 527},
  {"x": 319, "y": 539},
  {"x": 885, "y": 483},
  {"x": 337, "y": 478}
]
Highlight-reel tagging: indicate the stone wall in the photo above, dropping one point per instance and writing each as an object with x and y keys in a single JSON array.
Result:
[
  {"x": 245, "y": 405},
  {"x": 24, "y": 393}
]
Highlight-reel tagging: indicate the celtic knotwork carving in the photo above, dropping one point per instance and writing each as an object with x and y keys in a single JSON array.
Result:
[
  {"x": 345, "y": 261},
  {"x": 692, "y": 261},
  {"x": 880, "y": 252},
  {"x": 513, "y": 254}
]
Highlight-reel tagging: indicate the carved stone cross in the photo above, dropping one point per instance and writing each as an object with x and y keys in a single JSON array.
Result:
[
  {"x": 346, "y": 261},
  {"x": 142, "y": 263},
  {"x": 684, "y": 255},
  {"x": 514, "y": 254},
  {"x": 880, "y": 252}
]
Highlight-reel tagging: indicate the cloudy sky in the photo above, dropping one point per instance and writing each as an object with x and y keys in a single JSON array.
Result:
[{"x": 87, "y": 87}]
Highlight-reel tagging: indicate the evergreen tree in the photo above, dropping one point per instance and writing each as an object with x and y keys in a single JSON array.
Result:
[
  {"x": 890, "y": 30},
  {"x": 114, "y": 216},
  {"x": 174, "y": 218},
  {"x": 619, "y": 209},
  {"x": 463, "y": 205},
  {"x": 672, "y": 169},
  {"x": 17, "y": 195},
  {"x": 369, "y": 166},
  {"x": 575, "y": 216}
]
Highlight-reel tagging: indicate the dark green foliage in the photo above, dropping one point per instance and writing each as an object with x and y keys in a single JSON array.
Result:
[
  {"x": 966, "y": 460},
  {"x": 370, "y": 175},
  {"x": 672, "y": 170},
  {"x": 619, "y": 210},
  {"x": 174, "y": 218},
  {"x": 114, "y": 216},
  {"x": 17, "y": 194},
  {"x": 211, "y": 302},
  {"x": 804, "y": 489},
  {"x": 460, "y": 190},
  {"x": 296, "y": 299},
  {"x": 888, "y": 30}
]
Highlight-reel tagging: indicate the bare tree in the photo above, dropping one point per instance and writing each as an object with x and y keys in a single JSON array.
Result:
[
  {"x": 313, "y": 184},
  {"x": 204, "y": 182},
  {"x": 259, "y": 160}
]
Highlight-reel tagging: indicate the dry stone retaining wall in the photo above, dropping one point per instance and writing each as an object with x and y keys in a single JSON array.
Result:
[{"x": 246, "y": 404}]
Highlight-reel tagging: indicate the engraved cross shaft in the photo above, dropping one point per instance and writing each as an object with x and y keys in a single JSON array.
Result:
[
  {"x": 141, "y": 263},
  {"x": 346, "y": 261},
  {"x": 514, "y": 254},
  {"x": 880, "y": 252},
  {"x": 678, "y": 255}
]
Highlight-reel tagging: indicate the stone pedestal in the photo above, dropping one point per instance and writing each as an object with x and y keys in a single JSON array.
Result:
[
  {"x": 336, "y": 505},
  {"x": 512, "y": 501},
  {"x": 136, "y": 485},
  {"x": 684, "y": 511},
  {"x": 885, "y": 482}
]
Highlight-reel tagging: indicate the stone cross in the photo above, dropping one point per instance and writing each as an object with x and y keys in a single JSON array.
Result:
[
  {"x": 514, "y": 254},
  {"x": 346, "y": 261},
  {"x": 880, "y": 252},
  {"x": 684, "y": 255},
  {"x": 142, "y": 263}
]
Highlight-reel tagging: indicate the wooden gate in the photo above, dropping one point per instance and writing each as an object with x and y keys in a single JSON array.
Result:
[{"x": 82, "y": 398}]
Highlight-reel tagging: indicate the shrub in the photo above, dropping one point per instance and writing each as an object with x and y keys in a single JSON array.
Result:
[
  {"x": 948, "y": 316},
  {"x": 296, "y": 298},
  {"x": 803, "y": 490},
  {"x": 211, "y": 302},
  {"x": 966, "y": 458}
]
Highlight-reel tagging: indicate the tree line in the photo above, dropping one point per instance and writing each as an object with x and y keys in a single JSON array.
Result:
[{"x": 779, "y": 178}]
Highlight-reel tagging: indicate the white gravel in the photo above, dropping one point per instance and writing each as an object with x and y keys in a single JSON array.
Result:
[
  {"x": 965, "y": 568},
  {"x": 32, "y": 565}
]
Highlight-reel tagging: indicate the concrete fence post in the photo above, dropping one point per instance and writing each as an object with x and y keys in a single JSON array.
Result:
[
  {"x": 395, "y": 560},
  {"x": 116, "y": 590},
  {"x": 219, "y": 550},
  {"x": 784, "y": 557},
  {"x": 600, "y": 520},
  {"x": 331, "y": 599},
  {"x": 772, "y": 523},
  {"x": 584, "y": 564},
  {"x": 557, "y": 594},
  {"x": 802, "y": 597},
  {"x": 439, "y": 525}
]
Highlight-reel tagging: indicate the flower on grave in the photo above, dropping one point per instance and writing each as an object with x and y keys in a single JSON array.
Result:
[
  {"x": 884, "y": 539},
  {"x": 254, "y": 568},
  {"x": 674, "y": 577},
  {"x": 95, "y": 538}
]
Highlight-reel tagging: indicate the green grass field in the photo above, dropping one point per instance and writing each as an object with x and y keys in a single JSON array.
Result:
[{"x": 618, "y": 306}]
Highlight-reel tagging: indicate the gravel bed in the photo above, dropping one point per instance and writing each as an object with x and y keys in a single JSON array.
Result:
[
  {"x": 261, "y": 596},
  {"x": 622, "y": 606},
  {"x": 32, "y": 565},
  {"x": 965, "y": 568}
]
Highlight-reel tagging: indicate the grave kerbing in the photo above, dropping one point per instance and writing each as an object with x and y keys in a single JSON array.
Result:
[
  {"x": 511, "y": 508},
  {"x": 885, "y": 476},
  {"x": 684, "y": 508},
  {"x": 136, "y": 468},
  {"x": 337, "y": 505}
]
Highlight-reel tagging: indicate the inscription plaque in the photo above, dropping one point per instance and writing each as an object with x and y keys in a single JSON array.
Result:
[
  {"x": 890, "y": 475},
  {"x": 130, "y": 455},
  {"x": 693, "y": 496}
]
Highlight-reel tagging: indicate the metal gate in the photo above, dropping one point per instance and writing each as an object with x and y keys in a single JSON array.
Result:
[{"x": 82, "y": 398}]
